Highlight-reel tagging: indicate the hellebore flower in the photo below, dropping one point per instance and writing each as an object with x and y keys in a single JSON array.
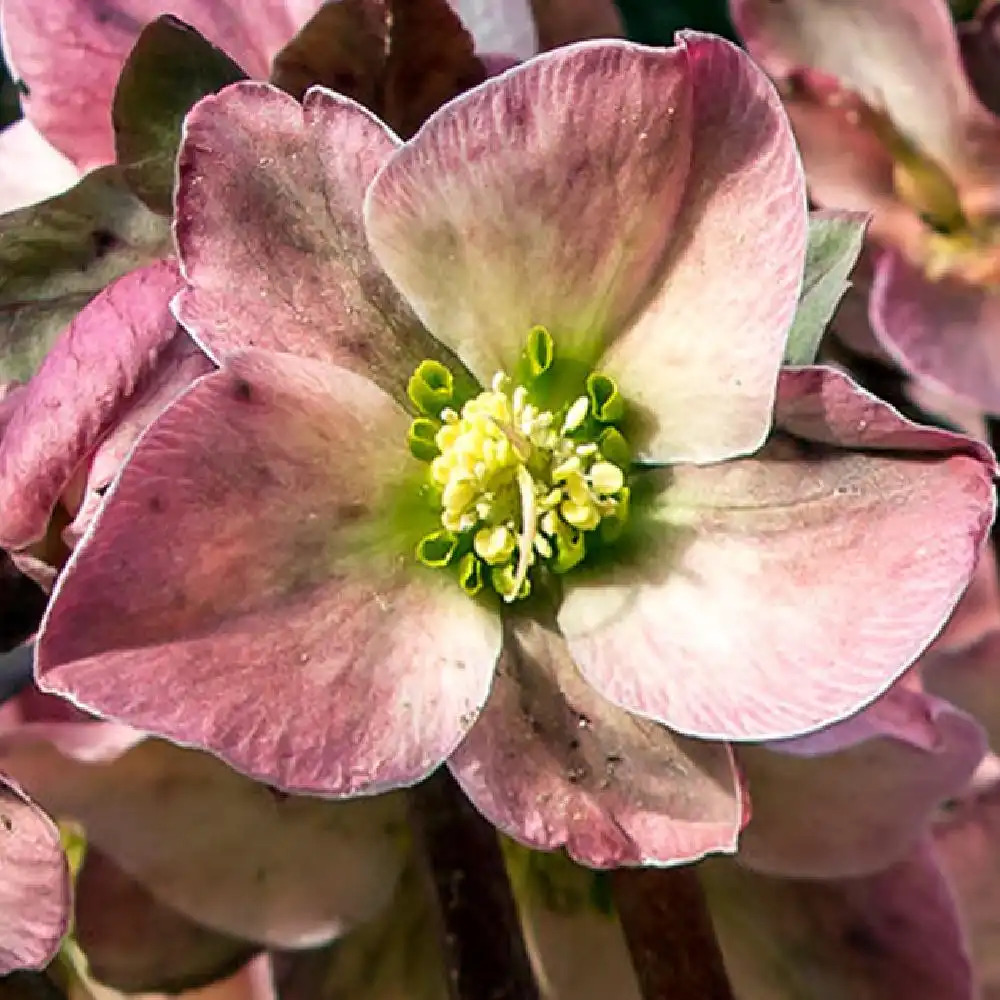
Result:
[
  {"x": 499, "y": 469},
  {"x": 888, "y": 121}
]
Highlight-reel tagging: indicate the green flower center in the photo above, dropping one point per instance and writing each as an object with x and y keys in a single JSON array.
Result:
[{"x": 527, "y": 476}]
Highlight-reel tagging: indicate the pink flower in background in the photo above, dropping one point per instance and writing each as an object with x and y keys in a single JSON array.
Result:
[
  {"x": 186, "y": 867},
  {"x": 635, "y": 544},
  {"x": 888, "y": 121}
]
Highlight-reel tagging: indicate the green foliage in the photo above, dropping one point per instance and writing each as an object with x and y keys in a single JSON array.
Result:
[
  {"x": 169, "y": 69},
  {"x": 57, "y": 255},
  {"x": 835, "y": 240}
]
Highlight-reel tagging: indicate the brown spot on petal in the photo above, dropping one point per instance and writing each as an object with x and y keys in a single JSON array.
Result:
[{"x": 242, "y": 390}]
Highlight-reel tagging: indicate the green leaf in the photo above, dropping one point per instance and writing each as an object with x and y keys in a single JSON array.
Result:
[
  {"x": 57, "y": 255},
  {"x": 170, "y": 68},
  {"x": 835, "y": 240}
]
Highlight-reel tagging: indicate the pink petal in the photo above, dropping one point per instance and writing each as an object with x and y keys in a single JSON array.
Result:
[
  {"x": 69, "y": 53},
  {"x": 35, "y": 889},
  {"x": 270, "y": 234},
  {"x": 702, "y": 357},
  {"x": 556, "y": 244},
  {"x": 37, "y": 718},
  {"x": 966, "y": 840},
  {"x": 893, "y": 934},
  {"x": 942, "y": 332},
  {"x": 223, "y": 851},
  {"x": 498, "y": 215},
  {"x": 551, "y": 763},
  {"x": 31, "y": 169},
  {"x": 179, "y": 363},
  {"x": 85, "y": 382},
  {"x": 781, "y": 593},
  {"x": 978, "y": 612},
  {"x": 285, "y": 627},
  {"x": 900, "y": 56},
  {"x": 854, "y": 798}
]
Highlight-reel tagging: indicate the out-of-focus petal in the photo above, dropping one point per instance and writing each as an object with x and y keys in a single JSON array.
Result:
[
  {"x": 507, "y": 27},
  {"x": 942, "y": 332},
  {"x": 222, "y": 850},
  {"x": 136, "y": 944},
  {"x": 893, "y": 934},
  {"x": 854, "y": 798},
  {"x": 899, "y": 55},
  {"x": 967, "y": 841}
]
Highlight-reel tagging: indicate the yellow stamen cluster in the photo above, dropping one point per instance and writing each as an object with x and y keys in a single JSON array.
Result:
[{"x": 520, "y": 486}]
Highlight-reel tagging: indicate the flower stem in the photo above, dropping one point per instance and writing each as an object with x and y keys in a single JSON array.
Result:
[
  {"x": 669, "y": 934},
  {"x": 484, "y": 949}
]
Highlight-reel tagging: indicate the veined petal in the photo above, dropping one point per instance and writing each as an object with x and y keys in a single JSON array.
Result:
[
  {"x": 84, "y": 384},
  {"x": 69, "y": 53},
  {"x": 943, "y": 333},
  {"x": 269, "y": 232},
  {"x": 285, "y": 625},
  {"x": 552, "y": 764},
  {"x": 701, "y": 358},
  {"x": 546, "y": 196},
  {"x": 852, "y": 799},
  {"x": 35, "y": 891},
  {"x": 777, "y": 594}
]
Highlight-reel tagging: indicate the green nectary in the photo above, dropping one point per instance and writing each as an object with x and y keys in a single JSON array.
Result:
[{"x": 524, "y": 481}]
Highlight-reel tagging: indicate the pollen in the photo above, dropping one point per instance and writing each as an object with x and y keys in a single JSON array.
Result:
[{"x": 524, "y": 486}]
